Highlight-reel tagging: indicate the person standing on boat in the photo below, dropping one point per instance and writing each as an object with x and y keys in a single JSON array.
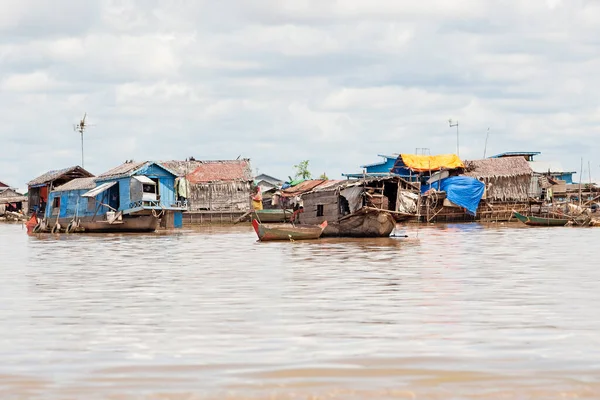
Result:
[{"x": 257, "y": 199}]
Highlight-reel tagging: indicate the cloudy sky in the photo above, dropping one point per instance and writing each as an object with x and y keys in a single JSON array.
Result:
[{"x": 278, "y": 81}]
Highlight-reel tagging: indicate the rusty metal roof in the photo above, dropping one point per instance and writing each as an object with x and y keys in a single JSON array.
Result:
[
  {"x": 302, "y": 187},
  {"x": 316, "y": 185},
  {"x": 221, "y": 171}
]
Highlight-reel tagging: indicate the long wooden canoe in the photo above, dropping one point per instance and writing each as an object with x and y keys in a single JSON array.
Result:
[
  {"x": 540, "y": 221},
  {"x": 273, "y": 215},
  {"x": 287, "y": 231}
]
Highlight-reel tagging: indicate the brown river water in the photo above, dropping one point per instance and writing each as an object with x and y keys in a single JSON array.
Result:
[{"x": 461, "y": 311}]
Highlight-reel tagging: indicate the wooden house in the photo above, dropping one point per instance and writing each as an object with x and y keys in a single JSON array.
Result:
[
  {"x": 11, "y": 200},
  {"x": 267, "y": 182},
  {"x": 148, "y": 186},
  {"x": 134, "y": 196},
  {"x": 361, "y": 207},
  {"x": 216, "y": 186},
  {"x": 506, "y": 179},
  {"x": 40, "y": 187}
]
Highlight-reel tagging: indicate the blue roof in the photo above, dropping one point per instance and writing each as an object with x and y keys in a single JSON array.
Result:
[{"x": 517, "y": 153}]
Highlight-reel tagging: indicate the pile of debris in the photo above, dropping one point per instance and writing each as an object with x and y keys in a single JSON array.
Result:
[{"x": 12, "y": 216}]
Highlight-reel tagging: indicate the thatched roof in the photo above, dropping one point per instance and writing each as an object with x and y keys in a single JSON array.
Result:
[{"x": 508, "y": 167}]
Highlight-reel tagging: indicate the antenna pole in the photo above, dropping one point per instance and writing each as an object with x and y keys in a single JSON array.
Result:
[
  {"x": 457, "y": 143},
  {"x": 486, "y": 140},
  {"x": 82, "y": 148},
  {"x": 580, "y": 178}
]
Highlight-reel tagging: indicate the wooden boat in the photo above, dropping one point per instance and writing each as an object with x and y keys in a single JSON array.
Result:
[
  {"x": 287, "y": 231},
  {"x": 273, "y": 215},
  {"x": 540, "y": 221},
  {"x": 365, "y": 222},
  {"x": 129, "y": 223}
]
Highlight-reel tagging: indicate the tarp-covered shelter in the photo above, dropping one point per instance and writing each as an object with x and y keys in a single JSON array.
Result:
[
  {"x": 425, "y": 163},
  {"x": 463, "y": 191}
]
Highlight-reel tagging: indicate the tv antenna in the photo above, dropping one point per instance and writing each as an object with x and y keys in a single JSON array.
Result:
[{"x": 80, "y": 127}]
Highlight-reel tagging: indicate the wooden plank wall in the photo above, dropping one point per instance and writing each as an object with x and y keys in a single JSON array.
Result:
[{"x": 329, "y": 201}]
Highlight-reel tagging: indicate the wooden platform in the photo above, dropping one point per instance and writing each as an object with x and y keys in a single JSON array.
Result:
[
  {"x": 211, "y": 217},
  {"x": 486, "y": 212}
]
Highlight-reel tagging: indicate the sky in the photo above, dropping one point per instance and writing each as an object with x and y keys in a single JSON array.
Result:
[{"x": 335, "y": 82}]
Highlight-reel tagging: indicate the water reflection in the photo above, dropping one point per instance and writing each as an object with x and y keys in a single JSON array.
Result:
[{"x": 454, "y": 311}]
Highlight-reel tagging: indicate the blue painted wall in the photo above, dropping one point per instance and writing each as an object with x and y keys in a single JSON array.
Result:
[
  {"x": 178, "y": 219},
  {"x": 568, "y": 177},
  {"x": 383, "y": 167},
  {"x": 68, "y": 199},
  {"x": 69, "y": 205},
  {"x": 166, "y": 185}
]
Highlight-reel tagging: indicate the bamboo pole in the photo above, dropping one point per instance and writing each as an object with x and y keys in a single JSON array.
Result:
[{"x": 580, "y": 178}]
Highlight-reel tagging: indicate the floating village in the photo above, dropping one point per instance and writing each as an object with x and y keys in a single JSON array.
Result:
[{"x": 143, "y": 196}]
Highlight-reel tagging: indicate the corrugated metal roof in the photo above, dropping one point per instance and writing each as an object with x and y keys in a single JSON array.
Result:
[
  {"x": 76, "y": 172},
  {"x": 268, "y": 178},
  {"x": 144, "y": 179},
  {"x": 181, "y": 168},
  {"x": 221, "y": 171},
  {"x": 302, "y": 187},
  {"x": 129, "y": 168},
  {"x": 122, "y": 170},
  {"x": 3, "y": 185},
  {"x": 101, "y": 188},
  {"x": 77, "y": 184},
  {"x": 316, "y": 185}
]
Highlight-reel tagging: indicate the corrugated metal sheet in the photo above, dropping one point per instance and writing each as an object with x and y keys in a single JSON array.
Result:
[
  {"x": 77, "y": 184},
  {"x": 144, "y": 179},
  {"x": 301, "y": 188},
  {"x": 96, "y": 191},
  {"x": 122, "y": 170},
  {"x": 50, "y": 176},
  {"x": 221, "y": 171},
  {"x": 129, "y": 168}
]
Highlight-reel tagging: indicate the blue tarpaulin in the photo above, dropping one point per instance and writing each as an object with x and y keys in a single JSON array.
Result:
[{"x": 464, "y": 191}]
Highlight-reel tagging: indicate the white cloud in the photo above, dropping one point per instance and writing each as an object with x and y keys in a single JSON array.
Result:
[{"x": 336, "y": 82}]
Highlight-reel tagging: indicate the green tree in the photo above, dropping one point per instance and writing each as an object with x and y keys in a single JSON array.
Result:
[
  {"x": 302, "y": 171},
  {"x": 323, "y": 176}
]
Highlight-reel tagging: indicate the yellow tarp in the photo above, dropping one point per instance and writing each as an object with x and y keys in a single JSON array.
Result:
[{"x": 426, "y": 163}]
